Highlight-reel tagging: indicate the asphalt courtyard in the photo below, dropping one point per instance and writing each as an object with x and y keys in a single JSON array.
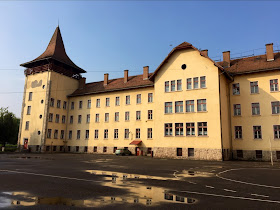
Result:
[{"x": 71, "y": 181}]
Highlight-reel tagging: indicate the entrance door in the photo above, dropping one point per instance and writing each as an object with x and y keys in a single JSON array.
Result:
[
  {"x": 25, "y": 143},
  {"x": 137, "y": 151}
]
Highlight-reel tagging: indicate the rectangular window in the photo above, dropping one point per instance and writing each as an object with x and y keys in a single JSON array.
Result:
[
  {"x": 179, "y": 131},
  {"x": 239, "y": 153},
  {"x": 94, "y": 149},
  {"x": 138, "y": 115},
  {"x": 255, "y": 109},
  {"x": 80, "y": 104},
  {"x": 238, "y": 132},
  {"x": 77, "y": 148},
  {"x": 117, "y": 116},
  {"x": 98, "y": 102},
  {"x": 235, "y": 89},
  {"x": 168, "y": 129},
  {"x": 71, "y": 119},
  {"x": 116, "y": 133},
  {"x": 106, "y": 117},
  {"x": 127, "y": 100},
  {"x": 104, "y": 149},
  {"x": 259, "y": 154},
  {"x": 254, "y": 87},
  {"x": 85, "y": 149},
  {"x": 190, "y": 152},
  {"x": 150, "y": 97},
  {"x": 54, "y": 148},
  {"x": 89, "y": 104},
  {"x": 236, "y": 109},
  {"x": 88, "y": 118},
  {"x": 138, "y": 133},
  {"x": 138, "y": 99},
  {"x": 58, "y": 103},
  {"x": 79, "y": 118},
  {"x": 117, "y": 103},
  {"x": 195, "y": 83},
  {"x": 97, "y": 118},
  {"x": 87, "y": 134},
  {"x": 96, "y": 134},
  {"x": 57, "y": 118},
  {"x": 179, "y": 84},
  {"x": 52, "y": 102},
  {"x": 62, "y": 134},
  {"x": 126, "y": 116},
  {"x": 190, "y": 129},
  {"x": 150, "y": 114},
  {"x": 27, "y": 125},
  {"x": 203, "y": 82},
  {"x": 189, "y": 83},
  {"x": 202, "y": 128},
  {"x": 55, "y": 134},
  {"x": 201, "y": 105},
  {"x": 173, "y": 85},
  {"x": 179, "y": 153},
  {"x": 105, "y": 133},
  {"x": 166, "y": 86},
  {"x": 149, "y": 150},
  {"x": 107, "y": 102},
  {"x": 49, "y": 134},
  {"x": 178, "y": 106},
  {"x": 168, "y": 107},
  {"x": 275, "y": 105},
  {"x": 30, "y": 96},
  {"x": 257, "y": 132},
  {"x": 72, "y": 105},
  {"x": 274, "y": 85},
  {"x": 50, "y": 117},
  {"x": 63, "y": 119},
  {"x": 28, "y": 110},
  {"x": 150, "y": 133},
  {"x": 70, "y": 135},
  {"x": 115, "y": 149},
  {"x": 276, "y": 129},
  {"x": 64, "y": 104},
  {"x": 278, "y": 155},
  {"x": 190, "y": 106},
  {"x": 78, "y": 134},
  {"x": 126, "y": 133}
]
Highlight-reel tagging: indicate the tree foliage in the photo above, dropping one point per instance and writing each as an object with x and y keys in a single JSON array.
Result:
[{"x": 9, "y": 127}]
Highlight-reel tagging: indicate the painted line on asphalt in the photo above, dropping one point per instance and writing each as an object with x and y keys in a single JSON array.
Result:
[
  {"x": 209, "y": 186},
  {"x": 191, "y": 182},
  {"x": 230, "y": 190},
  {"x": 265, "y": 196}
]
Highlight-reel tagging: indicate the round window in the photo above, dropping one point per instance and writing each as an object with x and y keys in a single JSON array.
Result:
[
  {"x": 42, "y": 101},
  {"x": 184, "y": 66}
]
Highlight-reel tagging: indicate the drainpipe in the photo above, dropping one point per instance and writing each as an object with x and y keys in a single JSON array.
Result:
[{"x": 221, "y": 117}]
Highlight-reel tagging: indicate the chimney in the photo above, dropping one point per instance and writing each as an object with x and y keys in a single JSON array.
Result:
[
  {"x": 145, "y": 72},
  {"x": 269, "y": 52},
  {"x": 125, "y": 78},
  {"x": 82, "y": 82},
  {"x": 226, "y": 58},
  {"x": 204, "y": 53},
  {"x": 106, "y": 77}
]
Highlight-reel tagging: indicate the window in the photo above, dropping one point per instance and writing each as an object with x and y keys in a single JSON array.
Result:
[
  {"x": 63, "y": 119},
  {"x": 105, "y": 133},
  {"x": 278, "y": 155},
  {"x": 179, "y": 131},
  {"x": 28, "y": 110},
  {"x": 126, "y": 133},
  {"x": 104, "y": 149},
  {"x": 203, "y": 82},
  {"x": 190, "y": 129},
  {"x": 117, "y": 101},
  {"x": 127, "y": 100},
  {"x": 179, "y": 84},
  {"x": 50, "y": 117},
  {"x": 85, "y": 149},
  {"x": 64, "y": 104},
  {"x": 115, "y": 148},
  {"x": 62, "y": 134},
  {"x": 149, "y": 150},
  {"x": 237, "y": 109},
  {"x": 150, "y": 114},
  {"x": 168, "y": 129},
  {"x": 239, "y": 153},
  {"x": 88, "y": 118},
  {"x": 96, "y": 134},
  {"x": 54, "y": 148},
  {"x": 49, "y": 134},
  {"x": 117, "y": 114},
  {"x": 137, "y": 133},
  {"x": 52, "y": 102},
  {"x": 259, "y": 154},
  {"x": 126, "y": 116},
  {"x": 257, "y": 132},
  {"x": 116, "y": 133},
  {"x": 78, "y": 134},
  {"x": 275, "y": 107},
  {"x": 202, "y": 128},
  {"x": 168, "y": 107},
  {"x": 168, "y": 196},
  {"x": 235, "y": 89},
  {"x": 150, "y": 133},
  {"x": 57, "y": 118},
  {"x": 94, "y": 149},
  {"x": 201, "y": 105},
  {"x": 238, "y": 132},
  {"x": 72, "y": 105},
  {"x": 70, "y": 135},
  {"x": 27, "y": 125},
  {"x": 195, "y": 83},
  {"x": 55, "y": 134},
  {"x": 276, "y": 129},
  {"x": 79, "y": 118},
  {"x": 98, "y": 102},
  {"x": 58, "y": 103},
  {"x": 255, "y": 109},
  {"x": 138, "y": 115},
  {"x": 179, "y": 153},
  {"x": 106, "y": 117},
  {"x": 80, "y": 104},
  {"x": 173, "y": 85},
  {"x": 71, "y": 119},
  {"x": 254, "y": 87},
  {"x": 107, "y": 101},
  {"x": 274, "y": 85},
  {"x": 138, "y": 99},
  {"x": 30, "y": 96},
  {"x": 89, "y": 104},
  {"x": 150, "y": 97},
  {"x": 190, "y": 106},
  {"x": 190, "y": 152},
  {"x": 166, "y": 84},
  {"x": 189, "y": 83},
  {"x": 96, "y": 117},
  {"x": 87, "y": 134},
  {"x": 178, "y": 106},
  {"x": 77, "y": 148}
]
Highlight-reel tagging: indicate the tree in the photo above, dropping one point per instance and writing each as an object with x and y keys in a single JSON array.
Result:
[{"x": 9, "y": 127}]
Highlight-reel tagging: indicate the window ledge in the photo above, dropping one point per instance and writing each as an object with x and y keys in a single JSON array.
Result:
[
  {"x": 256, "y": 115},
  {"x": 168, "y": 113},
  {"x": 275, "y": 114},
  {"x": 274, "y": 91},
  {"x": 238, "y": 139},
  {"x": 179, "y": 113},
  {"x": 258, "y": 139},
  {"x": 168, "y": 136},
  {"x": 191, "y": 136},
  {"x": 237, "y": 115},
  {"x": 190, "y": 112},
  {"x": 254, "y": 93},
  {"x": 202, "y": 136},
  {"x": 202, "y": 111},
  {"x": 236, "y": 94},
  {"x": 150, "y": 138}
]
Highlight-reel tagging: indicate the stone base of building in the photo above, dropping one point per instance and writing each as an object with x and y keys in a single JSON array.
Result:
[{"x": 264, "y": 155}]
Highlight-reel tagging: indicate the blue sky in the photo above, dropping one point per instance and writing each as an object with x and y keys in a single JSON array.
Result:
[{"x": 111, "y": 36}]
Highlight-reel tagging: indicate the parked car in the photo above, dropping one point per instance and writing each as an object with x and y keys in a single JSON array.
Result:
[{"x": 122, "y": 152}]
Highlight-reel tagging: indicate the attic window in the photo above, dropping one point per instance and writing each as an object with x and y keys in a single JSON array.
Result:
[{"x": 184, "y": 66}]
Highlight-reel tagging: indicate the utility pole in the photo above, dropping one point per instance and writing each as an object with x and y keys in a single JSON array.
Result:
[{"x": 271, "y": 157}]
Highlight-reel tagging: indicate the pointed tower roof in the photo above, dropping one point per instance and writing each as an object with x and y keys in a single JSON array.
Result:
[{"x": 56, "y": 51}]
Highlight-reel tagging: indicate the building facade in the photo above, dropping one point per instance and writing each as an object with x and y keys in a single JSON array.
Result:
[{"x": 190, "y": 107}]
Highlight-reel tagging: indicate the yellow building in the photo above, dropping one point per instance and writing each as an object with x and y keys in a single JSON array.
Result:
[{"x": 189, "y": 107}]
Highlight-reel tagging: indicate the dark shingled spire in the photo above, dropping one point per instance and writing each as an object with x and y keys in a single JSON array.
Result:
[{"x": 56, "y": 51}]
